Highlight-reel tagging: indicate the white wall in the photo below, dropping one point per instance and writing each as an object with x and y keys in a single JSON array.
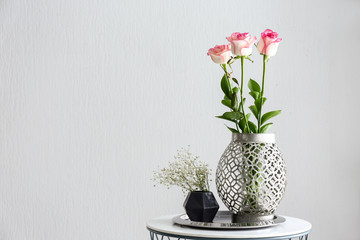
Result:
[{"x": 94, "y": 95}]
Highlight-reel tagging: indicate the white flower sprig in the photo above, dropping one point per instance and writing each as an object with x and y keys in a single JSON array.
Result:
[{"x": 186, "y": 172}]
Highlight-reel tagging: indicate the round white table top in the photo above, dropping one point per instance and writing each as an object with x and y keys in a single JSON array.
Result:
[{"x": 291, "y": 227}]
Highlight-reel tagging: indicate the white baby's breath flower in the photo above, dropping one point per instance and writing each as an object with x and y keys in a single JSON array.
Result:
[{"x": 186, "y": 172}]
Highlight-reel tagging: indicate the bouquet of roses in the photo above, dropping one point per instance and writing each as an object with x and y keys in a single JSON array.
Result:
[{"x": 241, "y": 48}]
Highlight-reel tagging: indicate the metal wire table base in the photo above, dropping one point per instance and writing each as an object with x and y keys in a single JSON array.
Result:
[
  {"x": 163, "y": 228},
  {"x": 162, "y": 236}
]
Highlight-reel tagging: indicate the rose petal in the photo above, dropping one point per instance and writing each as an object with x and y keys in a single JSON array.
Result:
[
  {"x": 272, "y": 49},
  {"x": 261, "y": 46}
]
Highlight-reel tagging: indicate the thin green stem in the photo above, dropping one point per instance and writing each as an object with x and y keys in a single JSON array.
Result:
[
  {"x": 241, "y": 92},
  {"x": 262, "y": 91}
]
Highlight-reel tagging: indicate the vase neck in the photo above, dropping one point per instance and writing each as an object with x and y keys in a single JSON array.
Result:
[{"x": 254, "y": 137}]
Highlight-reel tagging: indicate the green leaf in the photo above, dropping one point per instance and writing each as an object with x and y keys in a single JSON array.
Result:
[
  {"x": 222, "y": 117},
  {"x": 242, "y": 124},
  {"x": 269, "y": 115},
  {"x": 226, "y": 103},
  {"x": 235, "y": 90},
  {"x": 258, "y": 101},
  {"x": 252, "y": 126},
  {"x": 235, "y": 102},
  {"x": 254, "y": 86},
  {"x": 241, "y": 127},
  {"x": 225, "y": 86},
  {"x": 255, "y": 95},
  {"x": 231, "y": 116},
  {"x": 242, "y": 103},
  {"x": 253, "y": 110},
  {"x": 232, "y": 129},
  {"x": 235, "y": 80},
  {"x": 265, "y": 127}
]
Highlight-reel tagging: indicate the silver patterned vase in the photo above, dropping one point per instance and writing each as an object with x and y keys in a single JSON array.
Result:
[{"x": 251, "y": 177}]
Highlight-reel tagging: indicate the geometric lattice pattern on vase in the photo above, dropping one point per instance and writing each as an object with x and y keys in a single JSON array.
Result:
[{"x": 251, "y": 178}]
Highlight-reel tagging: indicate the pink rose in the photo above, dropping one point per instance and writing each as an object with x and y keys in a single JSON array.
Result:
[
  {"x": 220, "y": 54},
  {"x": 241, "y": 43},
  {"x": 268, "y": 43}
]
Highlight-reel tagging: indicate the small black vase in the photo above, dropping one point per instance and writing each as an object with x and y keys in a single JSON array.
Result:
[{"x": 201, "y": 206}]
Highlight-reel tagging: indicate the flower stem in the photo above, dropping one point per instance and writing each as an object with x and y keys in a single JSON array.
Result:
[
  {"x": 241, "y": 92},
  {"x": 262, "y": 91}
]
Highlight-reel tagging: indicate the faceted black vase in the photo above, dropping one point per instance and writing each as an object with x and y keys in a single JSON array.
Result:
[{"x": 201, "y": 206}]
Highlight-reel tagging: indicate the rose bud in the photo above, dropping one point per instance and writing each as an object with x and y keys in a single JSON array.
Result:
[
  {"x": 220, "y": 54},
  {"x": 241, "y": 43},
  {"x": 268, "y": 43}
]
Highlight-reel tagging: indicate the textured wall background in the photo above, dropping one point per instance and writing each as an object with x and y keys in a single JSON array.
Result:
[{"x": 94, "y": 95}]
